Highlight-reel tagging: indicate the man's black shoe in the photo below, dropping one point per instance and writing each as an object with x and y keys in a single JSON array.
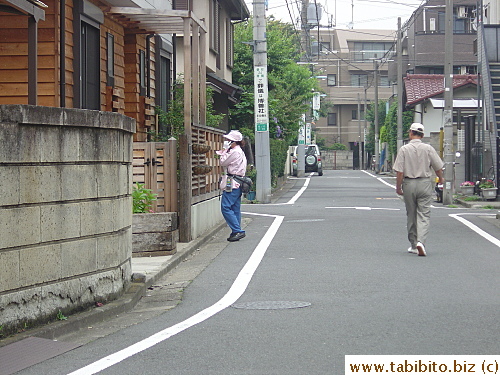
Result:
[
  {"x": 232, "y": 235},
  {"x": 237, "y": 236}
]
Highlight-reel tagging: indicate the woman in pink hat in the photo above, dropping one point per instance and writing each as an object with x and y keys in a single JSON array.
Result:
[{"x": 233, "y": 159}]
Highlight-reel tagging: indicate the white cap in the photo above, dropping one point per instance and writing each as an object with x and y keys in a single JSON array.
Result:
[
  {"x": 234, "y": 135},
  {"x": 417, "y": 127}
]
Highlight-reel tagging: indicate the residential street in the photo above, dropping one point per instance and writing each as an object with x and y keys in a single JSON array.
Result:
[{"x": 326, "y": 274}]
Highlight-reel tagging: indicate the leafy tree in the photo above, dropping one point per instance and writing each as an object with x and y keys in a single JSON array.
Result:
[
  {"x": 370, "y": 117},
  {"x": 290, "y": 87},
  {"x": 391, "y": 124}
]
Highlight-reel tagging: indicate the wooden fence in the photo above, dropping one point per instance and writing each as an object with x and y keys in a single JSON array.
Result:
[{"x": 155, "y": 166}]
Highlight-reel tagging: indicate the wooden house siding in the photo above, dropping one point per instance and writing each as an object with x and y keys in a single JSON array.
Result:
[{"x": 123, "y": 97}]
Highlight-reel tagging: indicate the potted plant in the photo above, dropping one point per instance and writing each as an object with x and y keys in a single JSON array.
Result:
[
  {"x": 467, "y": 187},
  {"x": 488, "y": 189}
]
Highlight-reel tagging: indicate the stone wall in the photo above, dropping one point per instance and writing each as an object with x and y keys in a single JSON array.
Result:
[
  {"x": 337, "y": 159},
  {"x": 65, "y": 211}
]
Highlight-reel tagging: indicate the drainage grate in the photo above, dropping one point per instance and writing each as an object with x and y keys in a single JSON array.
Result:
[{"x": 271, "y": 305}]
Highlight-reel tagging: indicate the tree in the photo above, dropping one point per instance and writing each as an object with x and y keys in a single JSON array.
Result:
[
  {"x": 370, "y": 117},
  {"x": 391, "y": 124},
  {"x": 290, "y": 86}
]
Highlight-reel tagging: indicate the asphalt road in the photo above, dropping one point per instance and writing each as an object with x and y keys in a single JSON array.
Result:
[{"x": 340, "y": 250}]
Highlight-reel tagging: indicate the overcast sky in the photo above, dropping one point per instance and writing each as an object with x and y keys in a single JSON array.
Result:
[{"x": 367, "y": 14}]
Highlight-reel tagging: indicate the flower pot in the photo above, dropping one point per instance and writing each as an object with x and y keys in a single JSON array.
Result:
[
  {"x": 489, "y": 193},
  {"x": 467, "y": 190}
]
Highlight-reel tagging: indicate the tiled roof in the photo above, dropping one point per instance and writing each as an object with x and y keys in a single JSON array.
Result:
[{"x": 423, "y": 86}]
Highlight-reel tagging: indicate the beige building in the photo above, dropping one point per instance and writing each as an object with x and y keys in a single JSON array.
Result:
[{"x": 345, "y": 66}]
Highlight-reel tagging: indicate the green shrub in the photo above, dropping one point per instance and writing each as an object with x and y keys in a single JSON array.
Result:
[{"x": 142, "y": 199}]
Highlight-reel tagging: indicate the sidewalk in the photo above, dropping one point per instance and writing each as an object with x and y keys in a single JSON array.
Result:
[{"x": 146, "y": 271}]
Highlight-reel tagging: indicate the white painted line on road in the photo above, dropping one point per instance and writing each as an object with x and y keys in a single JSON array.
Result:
[
  {"x": 295, "y": 197},
  {"x": 369, "y": 208},
  {"x": 380, "y": 179},
  {"x": 239, "y": 286},
  {"x": 476, "y": 229}
]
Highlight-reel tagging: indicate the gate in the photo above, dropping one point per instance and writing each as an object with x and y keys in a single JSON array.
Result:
[{"x": 155, "y": 166}]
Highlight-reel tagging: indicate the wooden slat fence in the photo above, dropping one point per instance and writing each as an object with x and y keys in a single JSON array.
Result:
[
  {"x": 206, "y": 186},
  {"x": 155, "y": 165}
]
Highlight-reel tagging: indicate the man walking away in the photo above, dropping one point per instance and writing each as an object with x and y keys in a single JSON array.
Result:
[{"x": 414, "y": 166}]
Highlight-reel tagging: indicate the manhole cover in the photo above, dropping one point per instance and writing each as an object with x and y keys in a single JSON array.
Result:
[{"x": 271, "y": 305}]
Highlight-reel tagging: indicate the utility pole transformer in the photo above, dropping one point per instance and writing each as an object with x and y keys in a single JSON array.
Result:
[
  {"x": 449, "y": 156},
  {"x": 262, "y": 153}
]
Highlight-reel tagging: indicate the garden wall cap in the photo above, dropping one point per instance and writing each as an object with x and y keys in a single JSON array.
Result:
[
  {"x": 234, "y": 135},
  {"x": 417, "y": 127}
]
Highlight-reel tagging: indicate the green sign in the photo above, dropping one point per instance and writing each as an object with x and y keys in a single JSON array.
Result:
[{"x": 262, "y": 127}]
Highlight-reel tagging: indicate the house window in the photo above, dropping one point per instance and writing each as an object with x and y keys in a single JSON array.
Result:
[
  {"x": 215, "y": 25},
  {"x": 142, "y": 72},
  {"x": 164, "y": 86},
  {"x": 355, "y": 114},
  {"x": 371, "y": 50},
  {"x": 463, "y": 20},
  {"x": 331, "y": 80},
  {"x": 110, "y": 59},
  {"x": 90, "y": 66},
  {"x": 332, "y": 119},
  {"x": 383, "y": 81},
  {"x": 359, "y": 80}
]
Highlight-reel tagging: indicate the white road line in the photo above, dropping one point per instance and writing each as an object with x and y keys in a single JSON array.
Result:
[
  {"x": 239, "y": 286},
  {"x": 380, "y": 179},
  {"x": 368, "y": 208},
  {"x": 475, "y": 228},
  {"x": 294, "y": 198}
]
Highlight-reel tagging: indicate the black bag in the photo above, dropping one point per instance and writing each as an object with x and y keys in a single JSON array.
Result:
[{"x": 245, "y": 183}]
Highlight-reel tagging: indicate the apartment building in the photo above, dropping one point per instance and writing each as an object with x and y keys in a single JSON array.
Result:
[{"x": 346, "y": 65}]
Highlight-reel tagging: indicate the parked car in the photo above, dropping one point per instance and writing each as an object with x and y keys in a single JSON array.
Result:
[{"x": 313, "y": 161}]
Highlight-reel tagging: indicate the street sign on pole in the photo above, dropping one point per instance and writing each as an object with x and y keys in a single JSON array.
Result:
[
  {"x": 261, "y": 96},
  {"x": 308, "y": 133}
]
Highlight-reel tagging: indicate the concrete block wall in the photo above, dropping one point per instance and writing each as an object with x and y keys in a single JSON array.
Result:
[
  {"x": 65, "y": 211},
  {"x": 337, "y": 159}
]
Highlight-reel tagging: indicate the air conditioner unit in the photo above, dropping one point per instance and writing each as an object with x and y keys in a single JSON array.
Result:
[{"x": 462, "y": 12}]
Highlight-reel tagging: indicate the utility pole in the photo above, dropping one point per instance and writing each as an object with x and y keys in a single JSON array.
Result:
[
  {"x": 449, "y": 156},
  {"x": 262, "y": 151},
  {"x": 365, "y": 109},
  {"x": 399, "y": 48},
  {"x": 360, "y": 152},
  {"x": 377, "y": 148}
]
